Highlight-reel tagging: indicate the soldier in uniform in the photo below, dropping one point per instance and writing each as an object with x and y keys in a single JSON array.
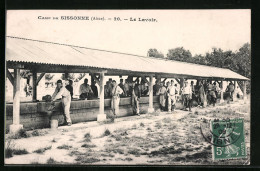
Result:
[
  {"x": 66, "y": 100},
  {"x": 116, "y": 92}
]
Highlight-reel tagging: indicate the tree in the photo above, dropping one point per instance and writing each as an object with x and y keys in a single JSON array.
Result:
[
  {"x": 198, "y": 59},
  {"x": 49, "y": 76},
  {"x": 219, "y": 58},
  {"x": 155, "y": 53},
  {"x": 179, "y": 54},
  {"x": 26, "y": 74},
  {"x": 71, "y": 76},
  {"x": 81, "y": 75},
  {"x": 242, "y": 61}
]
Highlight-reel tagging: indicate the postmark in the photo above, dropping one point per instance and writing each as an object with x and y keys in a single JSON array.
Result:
[{"x": 227, "y": 138}]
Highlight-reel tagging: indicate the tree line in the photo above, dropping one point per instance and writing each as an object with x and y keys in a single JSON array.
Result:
[{"x": 238, "y": 61}]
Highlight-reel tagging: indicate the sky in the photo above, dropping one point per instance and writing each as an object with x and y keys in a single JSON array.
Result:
[{"x": 195, "y": 30}]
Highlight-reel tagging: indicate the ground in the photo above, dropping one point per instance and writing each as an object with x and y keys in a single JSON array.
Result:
[{"x": 160, "y": 138}]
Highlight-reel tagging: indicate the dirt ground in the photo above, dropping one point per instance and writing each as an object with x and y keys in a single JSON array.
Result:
[{"x": 160, "y": 138}]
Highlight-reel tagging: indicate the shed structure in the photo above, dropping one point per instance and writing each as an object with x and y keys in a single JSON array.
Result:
[{"x": 48, "y": 57}]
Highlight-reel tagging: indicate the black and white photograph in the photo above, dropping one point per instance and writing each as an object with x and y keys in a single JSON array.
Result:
[{"x": 128, "y": 87}]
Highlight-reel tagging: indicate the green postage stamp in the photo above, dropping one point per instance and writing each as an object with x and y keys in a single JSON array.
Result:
[{"x": 228, "y": 139}]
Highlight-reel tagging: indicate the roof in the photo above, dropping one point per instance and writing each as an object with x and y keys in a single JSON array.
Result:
[{"x": 33, "y": 52}]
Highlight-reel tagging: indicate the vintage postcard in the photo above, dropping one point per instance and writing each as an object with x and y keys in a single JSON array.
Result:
[{"x": 128, "y": 87}]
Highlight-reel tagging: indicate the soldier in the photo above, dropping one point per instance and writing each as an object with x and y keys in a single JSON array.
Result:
[
  {"x": 85, "y": 90},
  {"x": 135, "y": 94},
  {"x": 126, "y": 87},
  {"x": 186, "y": 94},
  {"x": 162, "y": 94},
  {"x": 211, "y": 94},
  {"x": 121, "y": 85},
  {"x": 70, "y": 88},
  {"x": 66, "y": 100},
  {"x": 201, "y": 94},
  {"x": 171, "y": 96},
  {"x": 230, "y": 91},
  {"x": 116, "y": 92}
]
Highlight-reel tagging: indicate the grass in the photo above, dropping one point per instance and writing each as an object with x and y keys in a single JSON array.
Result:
[
  {"x": 35, "y": 133},
  {"x": 83, "y": 159},
  {"x": 51, "y": 161},
  {"x": 88, "y": 145},
  {"x": 109, "y": 120},
  {"x": 20, "y": 134},
  {"x": 107, "y": 132},
  {"x": 9, "y": 148},
  {"x": 42, "y": 150},
  {"x": 134, "y": 151},
  {"x": 87, "y": 137},
  {"x": 10, "y": 152},
  {"x": 117, "y": 137},
  {"x": 64, "y": 146},
  {"x": 167, "y": 120}
]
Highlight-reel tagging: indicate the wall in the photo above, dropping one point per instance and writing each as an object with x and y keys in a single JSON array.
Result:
[{"x": 33, "y": 115}]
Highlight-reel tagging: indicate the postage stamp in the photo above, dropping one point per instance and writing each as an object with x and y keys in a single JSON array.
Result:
[{"x": 228, "y": 139}]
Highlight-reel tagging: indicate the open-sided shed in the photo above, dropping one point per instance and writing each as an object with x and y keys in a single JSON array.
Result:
[{"x": 48, "y": 57}]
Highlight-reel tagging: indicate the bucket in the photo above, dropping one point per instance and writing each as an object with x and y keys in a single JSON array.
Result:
[{"x": 54, "y": 124}]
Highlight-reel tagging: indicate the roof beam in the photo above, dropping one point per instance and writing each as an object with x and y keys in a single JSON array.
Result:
[
  {"x": 143, "y": 77},
  {"x": 39, "y": 78},
  {"x": 55, "y": 68},
  {"x": 95, "y": 78},
  {"x": 178, "y": 80},
  {"x": 9, "y": 76}
]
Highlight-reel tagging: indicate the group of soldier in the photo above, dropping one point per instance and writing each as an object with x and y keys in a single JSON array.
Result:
[{"x": 204, "y": 92}]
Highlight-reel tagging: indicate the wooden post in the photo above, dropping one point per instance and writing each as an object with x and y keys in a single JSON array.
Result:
[
  {"x": 181, "y": 82},
  {"x": 16, "y": 126},
  {"x": 221, "y": 93},
  {"x": 150, "y": 109},
  {"x": 158, "y": 79},
  {"x": 66, "y": 75},
  {"x": 34, "y": 86},
  {"x": 101, "y": 116},
  {"x": 235, "y": 91},
  {"x": 244, "y": 91}
]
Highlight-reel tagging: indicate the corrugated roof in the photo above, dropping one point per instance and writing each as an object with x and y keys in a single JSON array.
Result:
[{"x": 35, "y": 51}]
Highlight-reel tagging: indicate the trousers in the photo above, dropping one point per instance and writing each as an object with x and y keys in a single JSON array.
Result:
[
  {"x": 115, "y": 105},
  {"x": 186, "y": 101},
  {"x": 162, "y": 101},
  {"x": 171, "y": 102},
  {"x": 66, "y": 100},
  {"x": 135, "y": 105}
]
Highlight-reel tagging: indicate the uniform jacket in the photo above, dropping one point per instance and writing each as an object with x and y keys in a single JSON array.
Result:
[{"x": 136, "y": 91}]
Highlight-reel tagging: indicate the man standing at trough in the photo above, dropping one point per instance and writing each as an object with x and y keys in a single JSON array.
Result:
[
  {"x": 61, "y": 91},
  {"x": 116, "y": 91},
  {"x": 85, "y": 90},
  {"x": 135, "y": 94}
]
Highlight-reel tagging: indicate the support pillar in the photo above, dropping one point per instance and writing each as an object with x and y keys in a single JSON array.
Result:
[
  {"x": 158, "y": 79},
  {"x": 150, "y": 109},
  {"x": 221, "y": 93},
  {"x": 34, "y": 96},
  {"x": 16, "y": 126},
  {"x": 66, "y": 75},
  {"x": 101, "y": 116},
  {"x": 181, "y": 82},
  {"x": 244, "y": 91},
  {"x": 235, "y": 91}
]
